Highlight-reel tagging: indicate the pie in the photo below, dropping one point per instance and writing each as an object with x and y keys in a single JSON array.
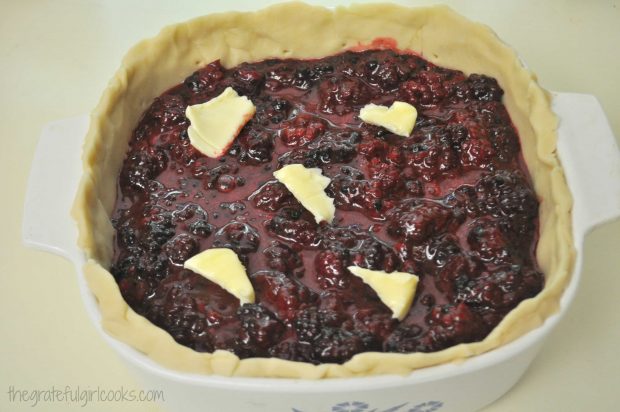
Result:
[{"x": 474, "y": 201}]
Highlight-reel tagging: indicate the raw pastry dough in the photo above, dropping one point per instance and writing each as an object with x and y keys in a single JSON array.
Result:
[{"x": 297, "y": 30}]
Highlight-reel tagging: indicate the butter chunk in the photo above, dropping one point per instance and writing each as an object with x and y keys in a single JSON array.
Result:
[
  {"x": 308, "y": 187},
  {"x": 222, "y": 266},
  {"x": 216, "y": 123},
  {"x": 396, "y": 290},
  {"x": 399, "y": 118}
]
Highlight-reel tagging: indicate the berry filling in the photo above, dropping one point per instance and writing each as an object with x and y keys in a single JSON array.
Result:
[{"x": 452, "y": 204}]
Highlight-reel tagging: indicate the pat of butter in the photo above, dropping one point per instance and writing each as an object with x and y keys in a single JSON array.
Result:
[
  {"x": 396, "y": 290},
  {"x": 222, "y": 266},
  {"x": 399, "y": 118},
  {"x": 308, "y": 186},
  {"x": 216, "y": 123}
]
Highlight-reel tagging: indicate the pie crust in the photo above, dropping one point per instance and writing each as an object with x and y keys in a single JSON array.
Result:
[{"x": 297, "y": 30}]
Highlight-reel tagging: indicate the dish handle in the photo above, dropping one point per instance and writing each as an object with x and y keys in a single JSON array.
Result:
[
  {"x": 591, "y": 157},
  {"x": 54, "y": 176},
  {"x": 586, "y": 144}
]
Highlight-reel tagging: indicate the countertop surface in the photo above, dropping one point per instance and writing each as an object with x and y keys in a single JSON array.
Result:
[{"x": 55, "y": 60}]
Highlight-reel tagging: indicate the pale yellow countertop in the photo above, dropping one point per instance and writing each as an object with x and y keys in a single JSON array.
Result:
[{"x": 56, "y": 58}]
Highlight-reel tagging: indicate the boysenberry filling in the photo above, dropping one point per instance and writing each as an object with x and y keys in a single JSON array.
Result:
[{"x": 452, "y": 204}]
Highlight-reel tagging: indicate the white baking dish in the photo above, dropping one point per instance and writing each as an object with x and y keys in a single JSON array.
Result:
[{"x": 592, "y": 168}]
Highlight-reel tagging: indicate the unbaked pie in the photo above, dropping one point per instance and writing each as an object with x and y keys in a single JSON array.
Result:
[{"x": 452, "y": 203}]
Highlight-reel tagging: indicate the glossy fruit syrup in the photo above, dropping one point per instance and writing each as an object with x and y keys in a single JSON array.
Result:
[{"x": 452, "y": 204}]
